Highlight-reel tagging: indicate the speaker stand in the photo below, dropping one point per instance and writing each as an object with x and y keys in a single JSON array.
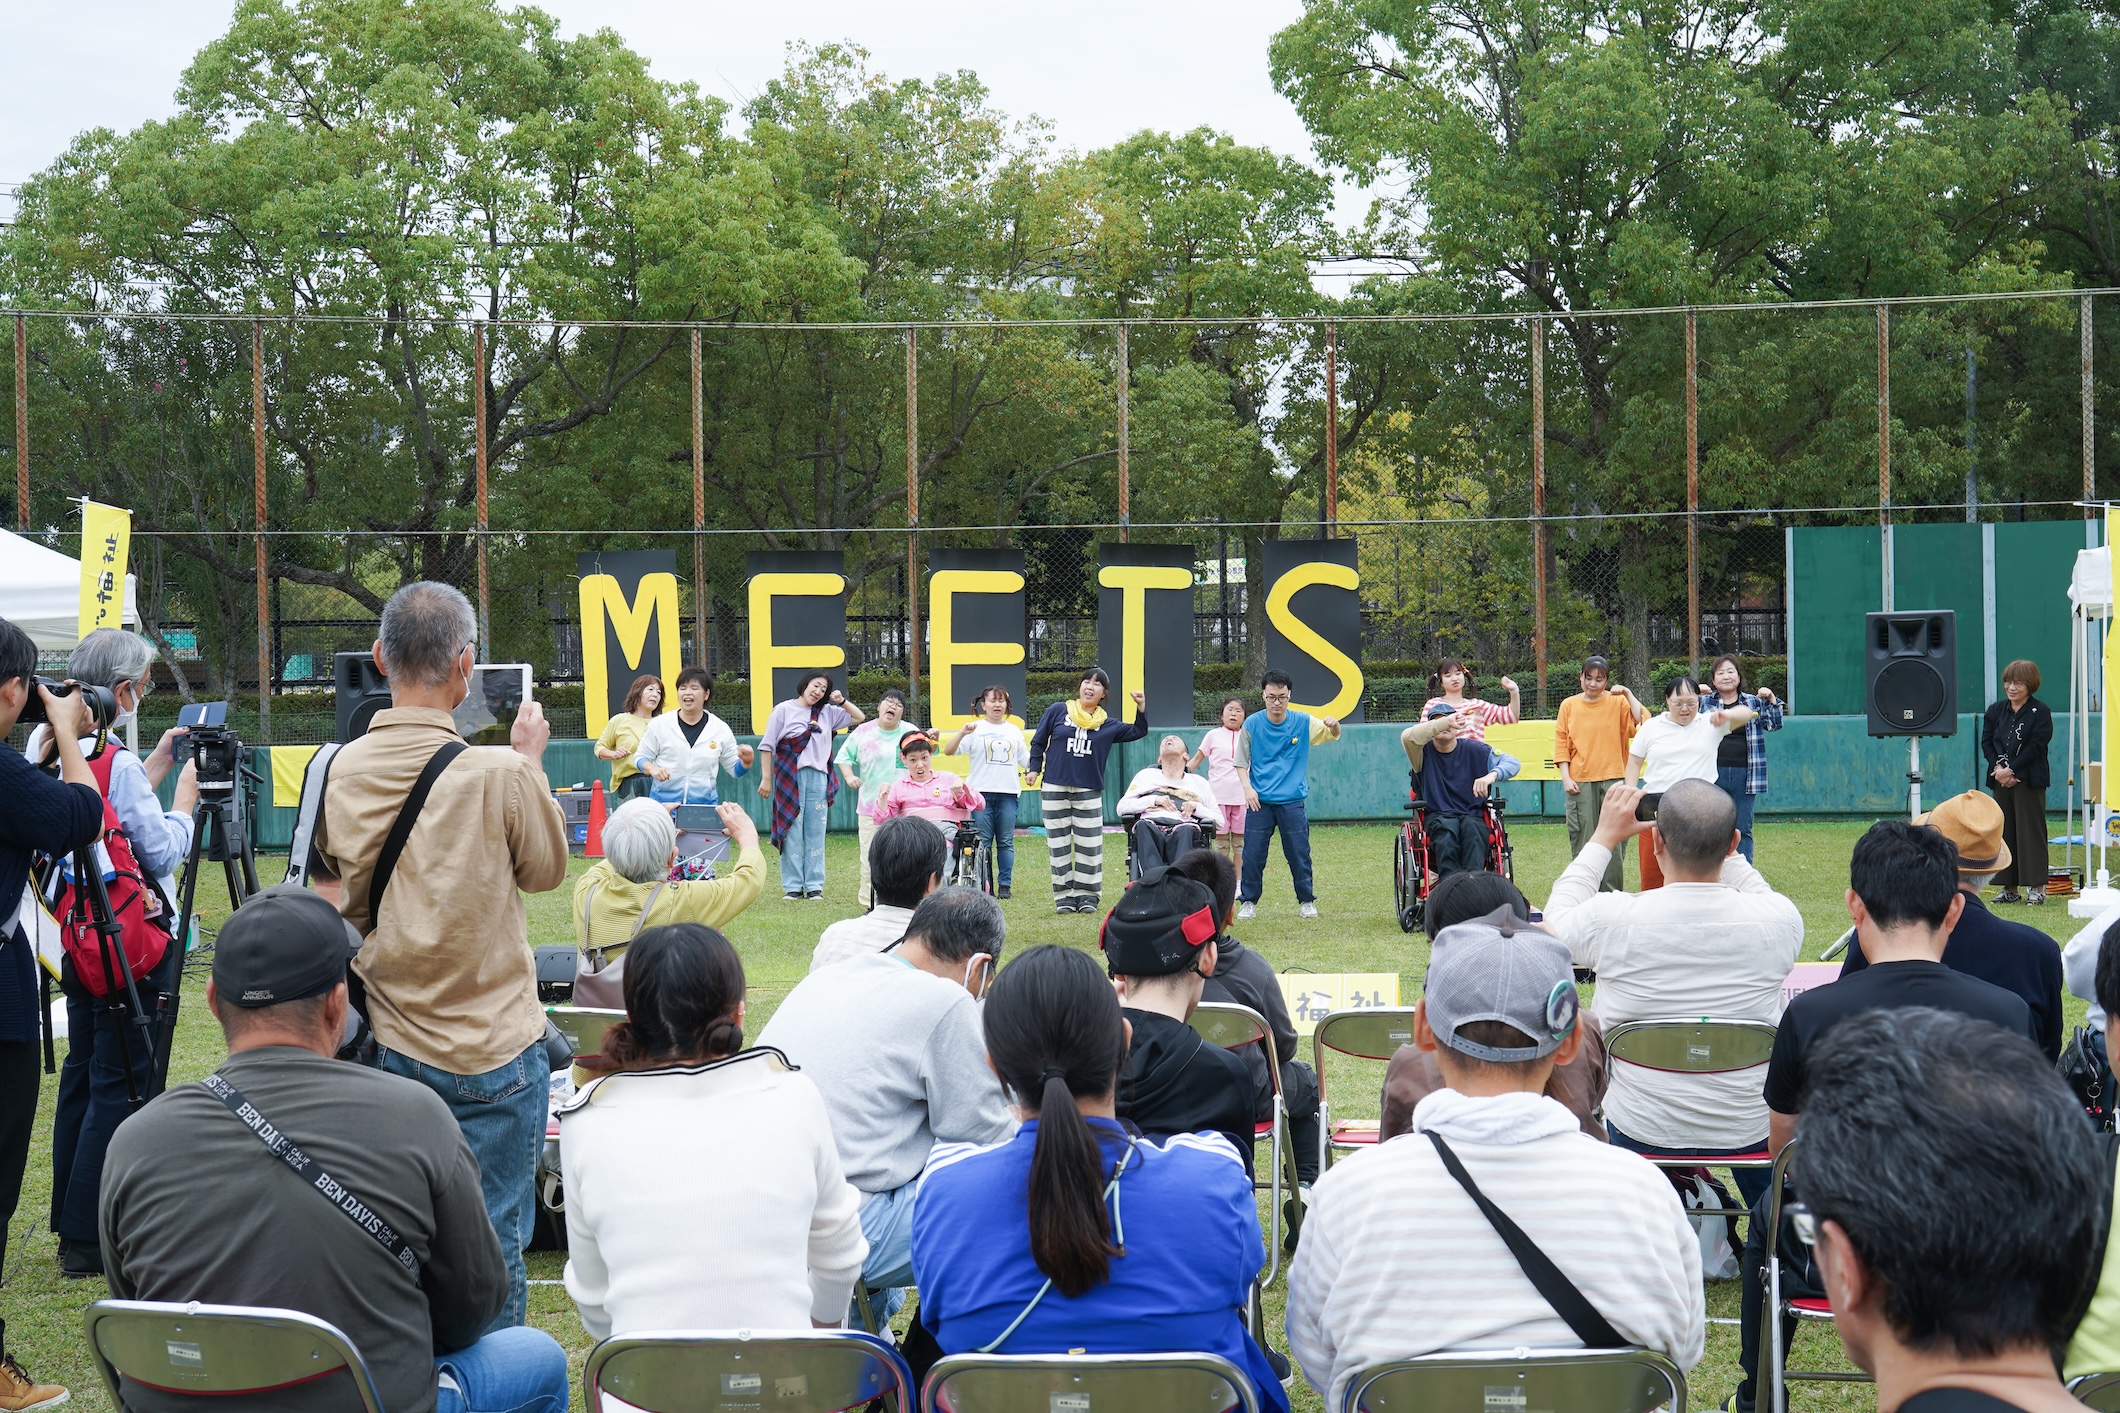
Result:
[{"x": 1913, "y": 777}]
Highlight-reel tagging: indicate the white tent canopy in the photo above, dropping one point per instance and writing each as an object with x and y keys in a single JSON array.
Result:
[{"x": 40, "y": 592}]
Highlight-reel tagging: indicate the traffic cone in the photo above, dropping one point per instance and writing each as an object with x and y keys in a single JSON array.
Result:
[{"x": 593, "y": 846}]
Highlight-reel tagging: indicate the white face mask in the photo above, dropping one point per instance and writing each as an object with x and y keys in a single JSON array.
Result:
[{"x": 123, "y": 719}]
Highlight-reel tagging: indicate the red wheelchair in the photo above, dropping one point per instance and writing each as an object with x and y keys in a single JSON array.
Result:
[{"x": 1411, "y": 859}]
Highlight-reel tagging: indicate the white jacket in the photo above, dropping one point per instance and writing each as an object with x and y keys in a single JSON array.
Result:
[
  {"x": 1141, "y": 795},
  {"x": 707, "y": 1198},
  {"x": 695, "y": 771}
]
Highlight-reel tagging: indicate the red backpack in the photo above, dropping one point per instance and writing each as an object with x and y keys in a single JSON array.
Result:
[{"x": 136, "y": 902}]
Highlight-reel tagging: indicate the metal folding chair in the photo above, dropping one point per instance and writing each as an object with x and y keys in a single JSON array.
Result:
[
  {"x": 1087, "y": 1383},
  {"x": 219, "y": 1349},
  {"x": 1369, "y": 1035},
  {"x": 2100, "y": 1391},
  {"x": 1706, "y": 1045},
  {"x": 1777, "y": 1307},
  {"x": 1229, "y": 1025},
  {"x": 584, "y": 1026},
  {"x": 789, "y": 1371},
  {"x": 1579, "y": 1380}
]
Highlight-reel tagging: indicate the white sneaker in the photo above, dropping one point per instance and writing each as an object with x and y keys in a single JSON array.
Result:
[
  {"x": 1307, "y": 910},
  {"x": 1246, "y": 912}
]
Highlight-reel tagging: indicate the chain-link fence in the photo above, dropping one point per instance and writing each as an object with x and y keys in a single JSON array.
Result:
[{"x": 1525, "y": 490}]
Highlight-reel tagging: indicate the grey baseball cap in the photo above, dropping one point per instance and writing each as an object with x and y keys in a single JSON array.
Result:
[
  {"x": 1501, "y": 968},
  {"x": 285, "y": 944}
]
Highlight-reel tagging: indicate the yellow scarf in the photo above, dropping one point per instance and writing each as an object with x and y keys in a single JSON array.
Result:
[{"x": 1087, "y": 720}]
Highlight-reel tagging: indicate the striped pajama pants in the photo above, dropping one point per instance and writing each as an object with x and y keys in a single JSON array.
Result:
[{"x": 1074, "y": 831}]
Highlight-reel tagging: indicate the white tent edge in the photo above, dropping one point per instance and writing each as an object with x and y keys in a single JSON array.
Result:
[{"x": 40, "y": 592}]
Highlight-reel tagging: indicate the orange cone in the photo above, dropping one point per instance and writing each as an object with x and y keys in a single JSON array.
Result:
[{"x": 593, "y": 846}]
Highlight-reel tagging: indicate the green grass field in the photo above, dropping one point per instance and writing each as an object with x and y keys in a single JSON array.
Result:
[{"x": 1357, "y": 932}]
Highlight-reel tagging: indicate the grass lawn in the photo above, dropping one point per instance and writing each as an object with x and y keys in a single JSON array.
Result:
[{"x": 1806, "y": 861}]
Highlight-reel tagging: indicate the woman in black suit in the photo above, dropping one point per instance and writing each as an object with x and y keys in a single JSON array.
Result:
[{"x": 2013, "y": 738}]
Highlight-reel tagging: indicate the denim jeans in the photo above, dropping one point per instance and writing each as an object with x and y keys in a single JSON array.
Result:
[
  {"x": 1259, "y": 826},
  {"x": 997, "y": 825},
  {"x": 1751, "y": 1182},
  {"x": 521, "y": 1370},
  {"x": 92, "y": 1097},
  {"x": 502, "y": 1115},
  {"x": 1733, "y": 778},
  {"x": 887, "y": 1224},
  {"x": 802, "y": 856}
]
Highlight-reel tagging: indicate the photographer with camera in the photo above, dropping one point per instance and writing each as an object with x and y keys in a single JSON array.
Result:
[
  {"x": 43, "y": 815},
  {"x": 96, "y": 1092},
  {"x": 450, "y": 838}
]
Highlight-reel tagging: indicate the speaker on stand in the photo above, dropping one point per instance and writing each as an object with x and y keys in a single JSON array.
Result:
[
  {"x": 1910, "y": 677},
  {"x": 360, "y": 690}
]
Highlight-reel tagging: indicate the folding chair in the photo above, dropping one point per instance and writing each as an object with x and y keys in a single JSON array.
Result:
[
  {"x": 789, "y": 1371},
  {"x": 1369, "y": 1035},
  {"x": 584, "y": 1026},
  {"x": 1079, "y": 1383},
  {"x": 1703, "y": 1046},
  {"x": 1229, "y": 1025},
  {"x": 219, "y": 1349},
  {"x": 1579, "y": 1380},
  {"x": 1802, "y": 1307},
  {"x": 2100, "y": 1391}
]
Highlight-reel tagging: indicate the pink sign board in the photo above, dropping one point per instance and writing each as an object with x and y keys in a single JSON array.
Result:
[{"x": 1805, "y": 975}]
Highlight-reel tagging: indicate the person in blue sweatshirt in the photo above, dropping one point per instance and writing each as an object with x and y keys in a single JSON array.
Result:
[
  {"x": 1068, "y": 751},
  {"x": 1137, "y": 1246},
  {"x": 1273, "y": 761}
]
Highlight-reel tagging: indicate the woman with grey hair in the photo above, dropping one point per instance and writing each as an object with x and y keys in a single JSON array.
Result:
[
  {"x": 93, "y": 1084},
  {"x": 630, "y": 891}
]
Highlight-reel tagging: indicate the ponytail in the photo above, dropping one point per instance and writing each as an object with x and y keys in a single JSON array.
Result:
[{"x": 1055, "y": 1034}]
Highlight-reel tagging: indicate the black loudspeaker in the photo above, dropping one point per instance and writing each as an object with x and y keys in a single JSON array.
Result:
[
  {"x": 361, "y": 690},
  {"x": 1910, "y": 673}
]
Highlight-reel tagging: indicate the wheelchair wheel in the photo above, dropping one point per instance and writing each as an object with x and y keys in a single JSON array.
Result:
[
  {"x": 983, "y": 867},
  {"x": 1406, "y": 880},
  {"x": 1508, "y": 868}
]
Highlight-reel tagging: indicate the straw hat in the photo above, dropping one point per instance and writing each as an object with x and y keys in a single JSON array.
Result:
[{"x": 1972, "y": 821}]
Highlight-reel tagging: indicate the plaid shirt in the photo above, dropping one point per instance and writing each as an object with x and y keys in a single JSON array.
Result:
[{"x": 1766, "y": 716}]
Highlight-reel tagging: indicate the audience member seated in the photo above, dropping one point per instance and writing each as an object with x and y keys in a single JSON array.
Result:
[
  {"x": 2008, "y": 954},
  {"x": 891, "y": 1040},
  {"x": 1164, "y": 804},
  {"x": 1077, "y": 1236},
  {"x": 906, "y": 859},
  {"x": 1952, "y": 1197},
  {"x": 1904, "y": 899},
  {"x": 2094, "y": 1347},
  {"x": 629, "y": 890},
  {"x": 1456, "y": 775},
  {"x": 1245, "y": 978},
  {"x": 1159, "y": 944},
  {"x": 201, "y": 1203},
  {"x": 703, "y": 1190},
  {"x": 1577, "y": 1084},
  {"x": 1715, "y": 940},
  {"x": 1398, "y": 1260}
]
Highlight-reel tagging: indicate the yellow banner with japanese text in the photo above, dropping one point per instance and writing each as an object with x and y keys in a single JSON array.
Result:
[
  {"x": 1311, "y": 996},
  {"x": 106, "y": 540}
]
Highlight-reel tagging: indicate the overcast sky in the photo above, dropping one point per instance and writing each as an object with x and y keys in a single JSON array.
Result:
[{"x": 1098, "y": 70}]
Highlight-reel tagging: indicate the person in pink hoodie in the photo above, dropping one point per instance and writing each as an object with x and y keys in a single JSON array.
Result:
[{"x": 925, "y": 792}]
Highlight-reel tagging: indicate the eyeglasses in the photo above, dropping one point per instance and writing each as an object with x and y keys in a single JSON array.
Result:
[
  {"x": 1804, "y": 1222},
  {"x": 1275, "y": 696},
  {"x": 145, "y": 687}
]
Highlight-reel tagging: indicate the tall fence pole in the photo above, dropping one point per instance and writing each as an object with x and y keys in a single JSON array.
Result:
[
  {"x": 1538, "y": 507},
  {"x": 1692, "y": 494},
  {"x": 1125, "y": 397},
  {"x": 478, "y": 419},
  {"x": 912, "y": 514},
  {"x": 1884, "y": 450},
  {"x": 257, "y": 456},
  {"x": 2090, "y": 463},
  {"x": 1332, "y": 428},
  {"x": 22, "y": 423},
  {"x": 699, "y": 513}
]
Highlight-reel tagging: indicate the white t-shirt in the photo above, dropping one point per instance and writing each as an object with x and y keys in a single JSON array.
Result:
[
  {"x": 997, "y": 754},
  {"x": 1671, "y": 752},
  {"x": 1220, "y": 748}
]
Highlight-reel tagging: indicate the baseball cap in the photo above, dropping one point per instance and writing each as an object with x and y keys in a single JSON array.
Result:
[
  {"x": 1436, "y": 709},
  {"x": 1161, "y": 922},
  {"x": 1501, "y": 968},
  {"x": 1972, "y": 821},
  {"x": 285, "y": 944}
]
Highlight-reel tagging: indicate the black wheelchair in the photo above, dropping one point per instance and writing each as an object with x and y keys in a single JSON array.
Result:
[
  {"x": 1413, "y": 852},
  {"x": 971, "y": 861},
  {"x": 1203, "y": 824}
]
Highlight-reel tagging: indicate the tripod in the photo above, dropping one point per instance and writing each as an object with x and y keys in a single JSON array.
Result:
[
  {"x": 91, "y": 892},
  {"x": 218, "y": 831}
]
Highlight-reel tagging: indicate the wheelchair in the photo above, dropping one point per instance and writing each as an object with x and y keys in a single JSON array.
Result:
[
  {"x": 1204, "y": 823},
  {"x": 971, "y": 860},
  {"x": 1412, "y": 852}
]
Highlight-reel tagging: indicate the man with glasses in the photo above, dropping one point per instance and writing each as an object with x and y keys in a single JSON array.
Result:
[{"x": 1273, "y": 762}]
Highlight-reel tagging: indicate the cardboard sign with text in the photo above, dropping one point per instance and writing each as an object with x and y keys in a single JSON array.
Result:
[{"x": 1313, "y": 995}]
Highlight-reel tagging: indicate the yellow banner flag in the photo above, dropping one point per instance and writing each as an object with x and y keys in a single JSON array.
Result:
[{"x": 106, "y": 540}]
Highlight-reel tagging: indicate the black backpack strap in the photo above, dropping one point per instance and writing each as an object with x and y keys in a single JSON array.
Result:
[
  {"x": 401, "y": 828},
  {"x": 1568, "y": 1302}
]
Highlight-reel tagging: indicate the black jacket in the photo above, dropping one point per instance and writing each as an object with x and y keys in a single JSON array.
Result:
[
  {"x": 44, "y": 814},
  {"x": 1244, "y": 977},
  {"x": 2011, "y": 955},
  {"x": 2020, "y": 737},
  {"x": 1175, "y": 1082}
]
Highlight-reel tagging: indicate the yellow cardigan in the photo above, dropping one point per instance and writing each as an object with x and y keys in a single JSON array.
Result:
[{"x": 616, "y": 901}]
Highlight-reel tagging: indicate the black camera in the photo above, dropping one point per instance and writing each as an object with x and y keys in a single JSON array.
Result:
[
  {"x": 218, "y": 751},
  {"x": 102, "y": 702}
]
